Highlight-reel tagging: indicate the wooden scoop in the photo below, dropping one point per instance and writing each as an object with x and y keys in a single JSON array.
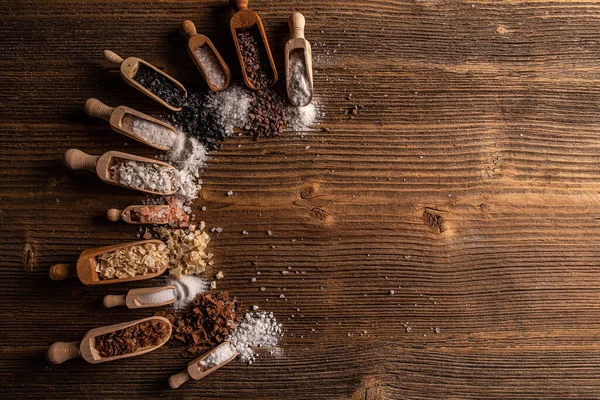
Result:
[
  {"x": 85, "y": 269},
  {"x": 130, "y": 67},
  {"x": 242, "y": 20},
  {"x": 121, "y": 120},
  {"x": 195, "y": 41},
  {"x": 114, "y": 214},
  {"x": 77, "y": 160},
  {"x": 297, "y": 43},
  {"x": 60, "y": 352},
  {"x": 196, "y": 371},
  {"x": 134, "y": 298}
]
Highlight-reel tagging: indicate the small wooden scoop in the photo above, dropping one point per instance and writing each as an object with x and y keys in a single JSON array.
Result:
[
  {"x": 85, "y": 269},
  {"x": 245, "y": 19},
  {"x": 114, "y": 214},
  {"x": 60, "y": 352},
  {"x": 135, "y": 298},
  {"x": 77, "y": 160},
  {"x": 130, "y": 67},
  {"x": 197, "y": 371},
  {"x": 195, "y": 41},
  {"x": 121, "y": 120},
  {"x": 297, "y": 43}
]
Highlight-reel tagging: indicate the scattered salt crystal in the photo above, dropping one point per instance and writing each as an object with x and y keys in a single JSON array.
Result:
[
  {"x": 212, "y": 68},
  {"x": 258, "y": 329},
  {"x": 188, "y": 156}
]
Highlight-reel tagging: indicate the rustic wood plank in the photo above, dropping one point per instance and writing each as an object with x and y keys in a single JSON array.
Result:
[{"x": 468, "y": 184}]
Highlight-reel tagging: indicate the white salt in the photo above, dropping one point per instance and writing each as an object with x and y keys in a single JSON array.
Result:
[
  {"x": 302, "y": 118},
  {"x": 157, "y": 297},
  {"x": 153, "y": 133},
  {"x": 187, "y": 288},
  {"x": 144, "y": 175},
  {"x": 300, "y": 89},
  {"x": 188, "y": 156},
  {"x": 221, "y": 354},
  {"x": 258, "y": 329},
  {"x": 210, "y": 64},
  {"x": 230, "y": 108}
]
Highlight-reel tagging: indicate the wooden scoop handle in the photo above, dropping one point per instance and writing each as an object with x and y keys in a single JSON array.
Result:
[
  {"x": 60, "y": 272},
  {"x": 296, "y": 23},
  {"x": 238, "y": 5},
  {"x": 113, "y": 215},
  {"x": 96, "y": 108},
  {"x": 60, "y": 352},
  {"x": 188, "y": 29},
  {"x": 179, "y": 379},
  {"x": 113, "y": 57},
  {"x": 114, "y": 300},
  {"x": 77, "y": 160}
]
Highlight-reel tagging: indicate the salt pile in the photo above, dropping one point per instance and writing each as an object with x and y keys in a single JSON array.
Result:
[{"x": 258, "y": 329}]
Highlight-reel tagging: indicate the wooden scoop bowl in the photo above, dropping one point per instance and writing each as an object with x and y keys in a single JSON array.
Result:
[
  {"x": 195, "y": 41},
  {"x": 242, "y": 20},
  {"x": 297, "y": 42},
  {"x": 121, "y": 120},
  {"x": 85, "y": 269},
  {"x": 130, "y": 67},
  {"x": 132, "y": 299},
  {"x": 60, "y": 352},
  {"x": 196, "y": 371},
  {"x": 114, "y": 214},
  {"x": 77, "y": 160}
]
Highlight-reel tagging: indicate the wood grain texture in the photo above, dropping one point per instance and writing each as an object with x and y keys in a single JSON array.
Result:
[{"x": 468, "y": 184}]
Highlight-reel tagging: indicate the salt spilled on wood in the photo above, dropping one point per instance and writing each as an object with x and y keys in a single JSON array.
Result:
[
  {"x": 161, "y": 296},
  {"x": 258, "y": 329},
  {"x": 153, "y": 133},
  {"x": 188, "y": 156},
  {"x": 299, "y": 84},
  {"x": 187, "y": 288},
  {"x": 212, "y": 68},
  {"x": 221, "y": 354}
]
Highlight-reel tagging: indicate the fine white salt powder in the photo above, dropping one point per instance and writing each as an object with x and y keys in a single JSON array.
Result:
[
  {"x": 153, "y": 133},
  {"x": 187, "y": 288},
  {"x": 188, "y": 156},
  {"x": 299, "y": 87},
  {"x": 259, "y": 329},
  {"x": 223, "y": 353},
  {"x": 144, "y": 175},
  {"x": 211, "y": 65},
  {"x": 158, "y": 297}
]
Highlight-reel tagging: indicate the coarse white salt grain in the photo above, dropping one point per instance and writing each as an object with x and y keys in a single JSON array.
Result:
[
  {"x": 221, "y": 354},
  {"x": 258, "y": 329},
  {"x": 153, "y": 133},
  {"x": 210, "y": 64},
  {"x": 144, "y": 175},
  {"x": 230, "y": 108}
]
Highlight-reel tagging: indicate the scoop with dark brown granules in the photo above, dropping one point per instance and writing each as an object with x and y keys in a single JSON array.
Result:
[
  {"x": 131, "y": 339},
  {"x": 206, "y": 322}
]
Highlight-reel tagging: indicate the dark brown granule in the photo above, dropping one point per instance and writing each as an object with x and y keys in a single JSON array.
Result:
[
  {"x": 206, "y": 322},
  {"x": 268, "y": 114},
  {"x": 161, "y": 86},
  {"x": 131, "y": 339},
  {"x": 256, "y": 59}
]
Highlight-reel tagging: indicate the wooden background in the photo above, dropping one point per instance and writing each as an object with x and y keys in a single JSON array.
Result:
[{"x": 468, "y": 184}]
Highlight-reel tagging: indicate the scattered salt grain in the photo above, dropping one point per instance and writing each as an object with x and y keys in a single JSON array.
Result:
[
  {"x": 188, "y": 156},
  {"x": 214, "y": 73},
  {"x": 153, "y": 133},
  {"x": 258, "y": 329}
]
